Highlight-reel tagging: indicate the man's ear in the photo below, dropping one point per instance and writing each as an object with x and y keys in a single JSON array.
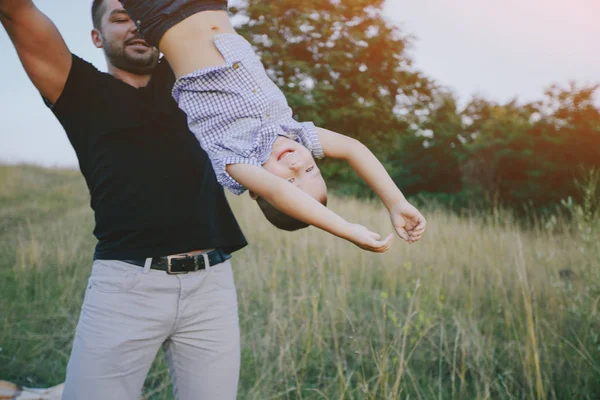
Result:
[
  {"x": 97, "y": 38},
  {"x": 253, "y": 195}
]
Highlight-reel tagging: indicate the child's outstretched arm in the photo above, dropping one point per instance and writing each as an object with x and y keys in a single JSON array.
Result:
[
  {"x": 297, "y": 204},
  {"x": 407, "y": 220}
]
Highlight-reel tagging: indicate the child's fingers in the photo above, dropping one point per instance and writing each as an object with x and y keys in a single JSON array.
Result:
[
  {"x": 380, "y": 246},
  {"x": 415, "y": 238},
  {"x": 418, "y": 229},
  {"x": 403, "y": 234},
  {"x": 376, "y": 236},
  {"x": 389, "y": 239},
  {"x": 385, "y": 244},
  {"x": 415, "y": 232},
  {"x": 415, "y": 225},
  {"x": 421, "y": 222}
]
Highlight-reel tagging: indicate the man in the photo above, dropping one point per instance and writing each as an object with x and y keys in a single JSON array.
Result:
[{"x": 161, "y": 275}]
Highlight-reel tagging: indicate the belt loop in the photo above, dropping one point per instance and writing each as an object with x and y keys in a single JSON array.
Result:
[
  {"x": 147, "y": 265},
  {"x": 206, "y": 261}
]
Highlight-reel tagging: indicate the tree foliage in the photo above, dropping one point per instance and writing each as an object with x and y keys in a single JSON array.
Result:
[{"x": 342, "y": 65}]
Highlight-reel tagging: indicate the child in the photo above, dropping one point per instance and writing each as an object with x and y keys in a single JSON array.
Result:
[{"x": 244, "y": 123}]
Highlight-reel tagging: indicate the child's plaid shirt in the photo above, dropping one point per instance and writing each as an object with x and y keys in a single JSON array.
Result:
[{"x": 237, "y": 112}]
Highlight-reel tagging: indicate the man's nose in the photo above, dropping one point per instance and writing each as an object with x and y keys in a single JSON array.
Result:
[{"x": 134, "y": 28}]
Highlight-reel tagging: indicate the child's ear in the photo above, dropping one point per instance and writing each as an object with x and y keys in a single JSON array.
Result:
[{"x": 253, "y": 195}]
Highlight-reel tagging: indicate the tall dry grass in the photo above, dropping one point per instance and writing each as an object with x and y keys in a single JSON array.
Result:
[{"x": 481, "y": 308}]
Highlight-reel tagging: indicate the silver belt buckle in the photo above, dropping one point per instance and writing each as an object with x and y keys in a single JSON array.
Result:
[{"x": 169, "y": 272}]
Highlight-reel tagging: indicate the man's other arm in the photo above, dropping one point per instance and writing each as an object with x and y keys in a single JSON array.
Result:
[{"x": 41, "y": 48}]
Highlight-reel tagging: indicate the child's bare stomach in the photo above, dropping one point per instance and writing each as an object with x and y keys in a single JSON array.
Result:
[{"x": 188, "y": 46}]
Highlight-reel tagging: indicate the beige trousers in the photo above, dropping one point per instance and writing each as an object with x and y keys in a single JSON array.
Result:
[{"x": 129, "y": 312}]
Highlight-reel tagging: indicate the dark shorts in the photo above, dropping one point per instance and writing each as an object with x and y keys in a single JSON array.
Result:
[{"x": 154, "y": 18}]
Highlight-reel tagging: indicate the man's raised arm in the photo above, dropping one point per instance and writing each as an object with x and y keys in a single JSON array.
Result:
[{"x": 40, "y": 46}]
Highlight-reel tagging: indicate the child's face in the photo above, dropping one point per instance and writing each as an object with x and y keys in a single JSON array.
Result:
[{"x": 293, "y": 162}]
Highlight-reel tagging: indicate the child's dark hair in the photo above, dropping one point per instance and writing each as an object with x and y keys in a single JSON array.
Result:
[{"x": 282, "y": 220}]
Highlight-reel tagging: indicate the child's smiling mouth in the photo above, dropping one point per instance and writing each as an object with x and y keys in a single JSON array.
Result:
[{"x": 285, "y": 153}]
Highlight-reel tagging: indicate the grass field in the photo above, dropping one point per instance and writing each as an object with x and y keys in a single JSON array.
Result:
[{"x": 481, "y": 308}]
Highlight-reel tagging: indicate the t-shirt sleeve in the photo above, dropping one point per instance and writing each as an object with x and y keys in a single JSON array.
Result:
[
  {"x": 74, "y": 105},
  {"x": 82, "y": 77}
]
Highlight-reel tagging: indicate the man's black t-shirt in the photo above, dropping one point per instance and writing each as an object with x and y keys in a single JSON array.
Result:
[{"x": 153, "y": 189}]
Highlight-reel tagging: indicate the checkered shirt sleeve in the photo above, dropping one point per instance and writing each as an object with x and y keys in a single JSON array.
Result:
[{"x": 237, "y": 112}]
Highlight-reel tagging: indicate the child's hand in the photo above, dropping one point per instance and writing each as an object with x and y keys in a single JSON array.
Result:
[
  {"x": 367, "y": 240},
  {"x": 408, "y": 221}
]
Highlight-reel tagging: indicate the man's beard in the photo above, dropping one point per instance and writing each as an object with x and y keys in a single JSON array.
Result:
[{"x": 140, "y": 64}]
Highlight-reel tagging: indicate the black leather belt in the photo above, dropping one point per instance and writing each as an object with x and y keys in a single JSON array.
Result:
[{"x": 183, "y": 264}]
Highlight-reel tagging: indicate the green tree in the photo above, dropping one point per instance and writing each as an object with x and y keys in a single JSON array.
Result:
[
  {"x": 342, "y": 65},
  {"x": 345, "y": 67},
  {"x": 429, "y": 159},
  {"x": 500, "y": 156},
  {"x": 532, "y": 153},
  {"x": 567, "y": 136}
]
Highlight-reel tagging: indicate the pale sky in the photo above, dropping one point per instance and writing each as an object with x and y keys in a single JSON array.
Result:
[{"x": 499, "y": 49}]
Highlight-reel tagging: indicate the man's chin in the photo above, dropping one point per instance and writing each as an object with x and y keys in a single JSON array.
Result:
[
  {"x": 139, "y": 52},
  {"x": 139, "y": 65},
  {"x": 147, "y": 58}
]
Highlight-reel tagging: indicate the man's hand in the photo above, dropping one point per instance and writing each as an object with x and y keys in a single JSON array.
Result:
[
  {"x": 408, "y": 222},
  {"x": 367, "y": 240}
]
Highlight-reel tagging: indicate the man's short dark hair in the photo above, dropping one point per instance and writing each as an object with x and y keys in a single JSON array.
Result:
[
  {"x": 97, "y": 12},
  {"x": 282, "y": 220}
]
